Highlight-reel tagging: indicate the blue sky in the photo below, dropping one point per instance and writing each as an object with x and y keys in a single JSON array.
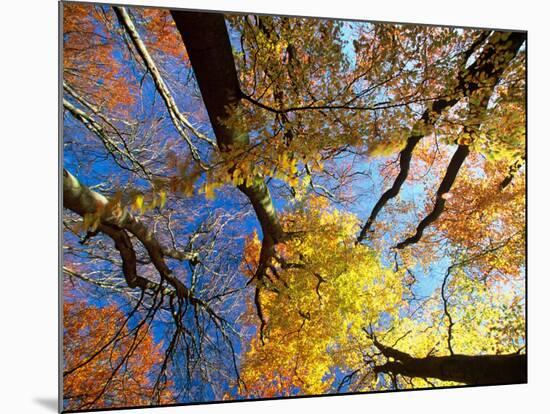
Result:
[{"x": 85, "y": 157}]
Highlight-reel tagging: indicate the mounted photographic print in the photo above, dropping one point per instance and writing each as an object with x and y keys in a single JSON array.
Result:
[{"x": 260, "y": 206}]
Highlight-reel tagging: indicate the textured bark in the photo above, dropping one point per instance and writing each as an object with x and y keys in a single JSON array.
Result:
[
  {"x": 81, "y": 200},
  {"x": 499, "y": 51},
  {"x": 466, "y": 369}
]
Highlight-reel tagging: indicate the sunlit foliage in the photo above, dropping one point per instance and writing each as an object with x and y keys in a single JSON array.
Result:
[{"x": 264, "y": 206}]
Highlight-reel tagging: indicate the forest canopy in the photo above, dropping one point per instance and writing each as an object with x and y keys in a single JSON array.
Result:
[{"x": 262, "y": 206}]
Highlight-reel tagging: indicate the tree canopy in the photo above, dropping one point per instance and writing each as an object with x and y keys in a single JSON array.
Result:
[{"x": 262, "y": 206}]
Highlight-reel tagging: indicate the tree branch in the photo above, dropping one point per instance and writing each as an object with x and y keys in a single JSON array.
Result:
[
  {"x": 498, "y": 52},
  {"x": 83, "y": 201},
  {"x": 512, "y": 171},
  {"x": 118, "y": 154},
  {"x": 175, "y": 114},
  {"x": 501, "y": 55},
  {"x": 450, "y": 176},
  {"x": 207, "y": 44},
  {"x": 466, "y": 369}
]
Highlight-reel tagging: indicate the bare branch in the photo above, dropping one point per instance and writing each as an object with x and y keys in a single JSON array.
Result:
[{"x": 179, "y": 121}]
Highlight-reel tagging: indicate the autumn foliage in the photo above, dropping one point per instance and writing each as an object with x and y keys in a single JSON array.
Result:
[
  {"x": 264, "y": 206},
  {"x": 107, "y": 364}
]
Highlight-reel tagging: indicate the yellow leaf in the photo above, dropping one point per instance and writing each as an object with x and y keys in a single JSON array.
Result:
[
  {"x": 162, "y": 201},
  {"x": 138, "y": 203}
]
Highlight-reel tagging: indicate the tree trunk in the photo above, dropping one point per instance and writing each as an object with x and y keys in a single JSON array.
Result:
[
  {"x": 207, "y": 43},
  {"x": 466, "y": 369}
]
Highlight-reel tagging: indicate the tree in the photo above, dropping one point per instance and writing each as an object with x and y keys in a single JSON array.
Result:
[
  {"x": 319, "y": 292},
  {"x": 107, "y": 363},
  {"x": 291, "y": 206},
  {"x": 467, "y": 369}
]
